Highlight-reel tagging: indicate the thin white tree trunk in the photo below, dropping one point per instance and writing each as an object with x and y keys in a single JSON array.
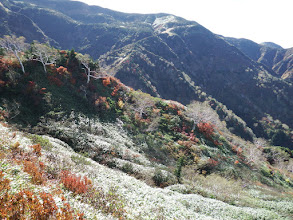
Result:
[
  {"x": 44, "y": 66},
  {"x": 20, "y": 62}
]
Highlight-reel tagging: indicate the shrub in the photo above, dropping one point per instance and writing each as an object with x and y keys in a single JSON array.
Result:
[
  {"x": 266, "y": 171},
  {"x": 127, "y": 168},
  {"x": 160, "y": 179},
  {"x": 108, "y": 203},
  {"x": 4, "y": 196},
  {"x": 207, "y": 129},
  {"x": 27, "y": 205},
  {"x": 106, "y": 81},
  {"x": 44, "y": 142},
  {"x": 80, "y": 160},
  {"x": 75, "y": 183},
  {"x": 178, "y": 169},
  {"x": 37, "y": 149},
  {"x": 36, "y": 171}
]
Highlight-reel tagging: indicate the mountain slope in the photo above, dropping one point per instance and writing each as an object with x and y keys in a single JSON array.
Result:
[
  {"x": 98, "y": 149},
  {"x": 273, "y": 56},
  {"x": 172, "y": 58}
]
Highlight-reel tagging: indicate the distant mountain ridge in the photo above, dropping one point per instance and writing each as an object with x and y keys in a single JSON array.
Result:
[
  {"x": 169, "y": 57},
  {"x": 270, "y": 54},
  {"x": 272, "y": 45}
]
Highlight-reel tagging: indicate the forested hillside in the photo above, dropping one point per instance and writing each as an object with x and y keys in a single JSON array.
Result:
[
  {"x": 168, "y": 57},
  {"x": 76, "y": 143}
]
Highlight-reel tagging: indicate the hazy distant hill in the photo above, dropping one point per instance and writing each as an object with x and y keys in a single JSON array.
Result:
[
  {"x": 170, "y": 57},
  {"x": 270, "y": 54}
]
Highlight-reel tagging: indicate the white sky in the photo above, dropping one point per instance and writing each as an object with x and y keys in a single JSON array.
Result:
[{"x": 257, "y": 20}]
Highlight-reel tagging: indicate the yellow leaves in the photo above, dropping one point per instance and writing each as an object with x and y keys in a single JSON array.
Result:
[
  {"x": 15, "y": 146},
  {"x": 120, "y": 104}
]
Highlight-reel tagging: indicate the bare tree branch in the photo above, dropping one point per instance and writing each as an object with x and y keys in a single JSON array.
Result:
[
  {"x": 200, "y": 112},
  {"x": 143, "y": 101},
  {"x": 44, "y": 54},
  {"x": 88, "y": 63},
  {"x": 14, "y": 45}
]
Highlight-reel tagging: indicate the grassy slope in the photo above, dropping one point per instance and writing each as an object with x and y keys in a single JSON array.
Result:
[{"x": 140, "y": 200}]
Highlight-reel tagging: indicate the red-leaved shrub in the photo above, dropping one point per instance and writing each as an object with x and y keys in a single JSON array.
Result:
[{"x": 74, "y": 183}]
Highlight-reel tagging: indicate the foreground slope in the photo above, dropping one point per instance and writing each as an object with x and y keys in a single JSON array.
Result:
[{"x": 130, "y": 199}]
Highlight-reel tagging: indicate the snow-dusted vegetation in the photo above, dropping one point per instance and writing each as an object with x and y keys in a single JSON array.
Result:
[{"x": 134, "y": 199}]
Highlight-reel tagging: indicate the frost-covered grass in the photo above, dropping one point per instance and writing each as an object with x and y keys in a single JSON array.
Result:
[
  {"x": 140, "y": 200},
  {"x": 143, "y": 201}
]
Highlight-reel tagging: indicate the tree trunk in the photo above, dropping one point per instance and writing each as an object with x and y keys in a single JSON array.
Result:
[
  {"x": 88, "y": 77},
  {"x": 44, "y": 65},
  {"x": 20, "y": 62}
]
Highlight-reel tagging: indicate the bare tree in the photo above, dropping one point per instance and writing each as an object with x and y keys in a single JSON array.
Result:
[
  {"x": 90, "y": 66},
  {"x": 143, "y": 101},
  {"x": 12, "y": 108},
  {"x": 260, "y": 143},
  {"x": 290, "y": 165},
  {"x": 254, "y": 155},
  {"x": 201, "y": 112},
  {"x": 16, "y": 45},
  {"x": 44, "y": 54}
]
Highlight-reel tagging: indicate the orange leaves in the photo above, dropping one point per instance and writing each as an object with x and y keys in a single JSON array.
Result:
[
  {"x": 100, "y": 100},
  {"x": 57, "y": 77},
  {"x": 115, "y": 84},
  {"x": 207, "y": 129},
  {"x": 106, "y": 81},
  {"x": 37, "y": 149},
  {"x": 24, "y": 203},
  {"x": 63, "y": 52},
  {"x": 4, "y": 196},
  {"x": 115, "y": 90},
  {"x": 62, "y": 70},
  {"x": 101, "y": 103},
  {"x": 74, "y": 183},
  {"x": 237, "y": 150},
  {"x": 2, "y": 83},
  {"x": 6, "y": 63},
  {"x": 49, "y": 206},
  {"x": 35, "y": 170},
  {"x": 28, "y": 205},
  {"x": 42, "y": 91},
  {"x": 4, "y": 183}
]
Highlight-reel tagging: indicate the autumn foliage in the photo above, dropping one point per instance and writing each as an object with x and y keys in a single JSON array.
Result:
[
  {"x": 74, "y": 183},
  {"x": 62, "y": 70},
  {"x": 37, "y": 149},
  {"x": 207, "y": 129},
  {"x": 106, "y": 81},
  {"x": 35, "y": 169},
  {"x": 29, "y": 205},
  {"x": 102, "y": 103}
]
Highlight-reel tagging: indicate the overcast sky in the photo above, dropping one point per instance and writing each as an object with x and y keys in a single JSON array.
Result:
[{"x": 257, "y": 20}]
